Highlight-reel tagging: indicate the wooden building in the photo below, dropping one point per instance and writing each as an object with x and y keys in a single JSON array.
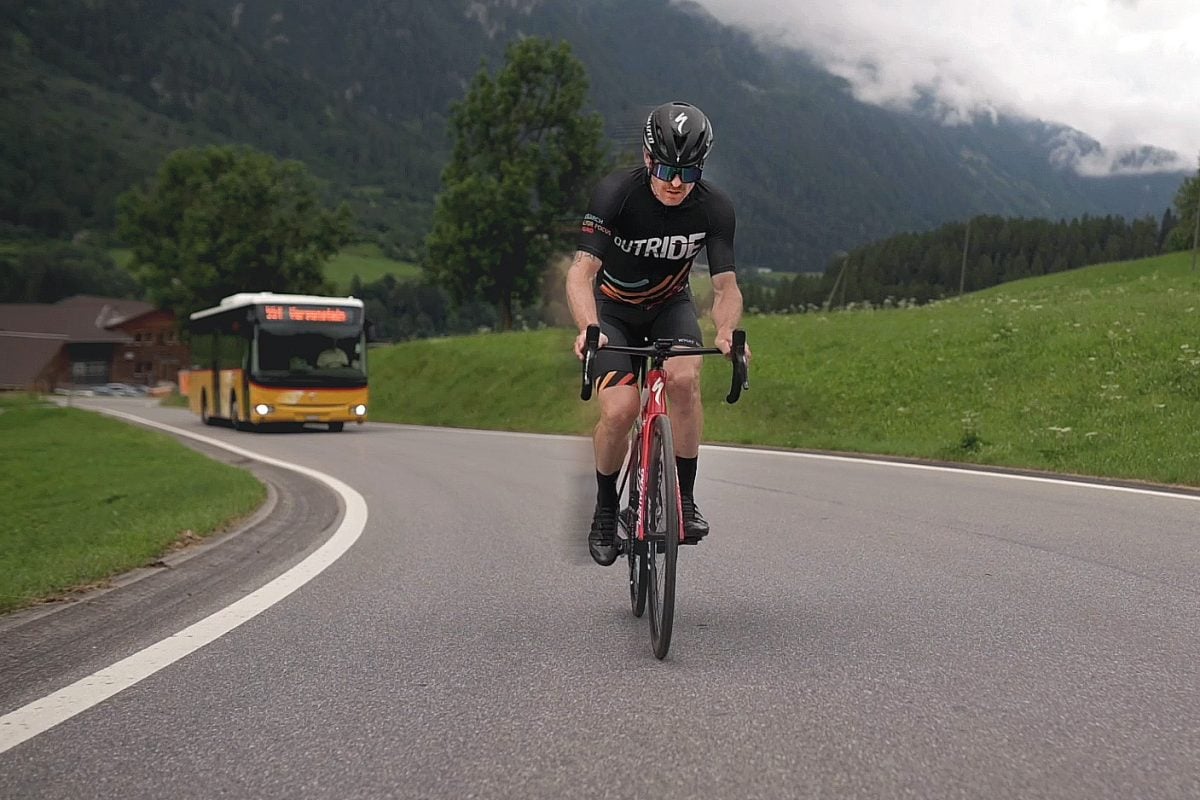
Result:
[{"x": 84, "y": 341}]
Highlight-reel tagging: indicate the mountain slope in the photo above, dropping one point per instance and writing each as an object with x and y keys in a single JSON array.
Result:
[{"x": 360, "y": 90}]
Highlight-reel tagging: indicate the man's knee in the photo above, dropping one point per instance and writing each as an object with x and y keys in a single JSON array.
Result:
[
  {"x": 618, "y": 406},
  {"x": 683, "y": 383}
]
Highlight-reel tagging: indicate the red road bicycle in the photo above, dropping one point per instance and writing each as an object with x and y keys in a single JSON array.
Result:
[{"x": 652, "y": 517}]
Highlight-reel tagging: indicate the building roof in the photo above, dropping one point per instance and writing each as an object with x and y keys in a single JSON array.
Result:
[
  {"x": 108, "y": 310},
  {"x": 23, "y": 356},
  {"x": 82, "y": 318},
  {"x": 75, "y": 325}
]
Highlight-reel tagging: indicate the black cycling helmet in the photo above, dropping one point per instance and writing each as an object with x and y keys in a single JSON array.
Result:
[{"x": 678, "y": 134}]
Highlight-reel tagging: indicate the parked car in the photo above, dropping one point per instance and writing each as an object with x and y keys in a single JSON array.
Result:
[{"x": 120, "y": 390}]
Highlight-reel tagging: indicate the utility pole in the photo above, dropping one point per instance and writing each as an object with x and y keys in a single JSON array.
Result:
[
  {"x": 841, "y": 272},
  {"x": 1196, "y": 213},
  {"x": 962, "y": 276},
  {"x": 847, "y": 280},
  {"x": 1196, "y": 232}
]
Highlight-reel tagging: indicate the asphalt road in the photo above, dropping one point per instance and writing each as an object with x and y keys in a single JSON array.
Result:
[{"x": 850, "y": 629}]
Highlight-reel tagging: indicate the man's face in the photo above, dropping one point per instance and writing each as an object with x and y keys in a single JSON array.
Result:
[{"x": 669, "y": 193}]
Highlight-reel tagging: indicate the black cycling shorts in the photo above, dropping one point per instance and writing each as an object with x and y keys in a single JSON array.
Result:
[{"x": 633, "y": 326}]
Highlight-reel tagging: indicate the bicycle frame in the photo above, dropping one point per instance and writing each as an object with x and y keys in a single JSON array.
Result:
[{"x": 654, "y": 404}]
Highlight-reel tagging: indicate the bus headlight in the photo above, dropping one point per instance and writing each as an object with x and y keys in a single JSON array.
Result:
[
  {"x": 359, "y": 410},
  {"x": 262, "y": 409}
]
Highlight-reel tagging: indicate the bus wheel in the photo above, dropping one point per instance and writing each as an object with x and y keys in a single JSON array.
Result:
[
  {"x": 234, "y": 418},
  {"x": 336, "y": 426}
]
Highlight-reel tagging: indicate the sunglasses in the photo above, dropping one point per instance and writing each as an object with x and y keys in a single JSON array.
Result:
[{"x": 665, "y": 172}]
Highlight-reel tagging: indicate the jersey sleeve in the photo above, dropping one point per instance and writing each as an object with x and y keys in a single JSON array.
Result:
[
  {"x": 719, "y": 243},
  {"x": 595, "y": 232}
]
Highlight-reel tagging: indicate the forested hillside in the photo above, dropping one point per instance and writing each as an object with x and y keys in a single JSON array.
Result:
[
  {"x": 95, "y": 94},
  {"x": 914, "y": 268}
]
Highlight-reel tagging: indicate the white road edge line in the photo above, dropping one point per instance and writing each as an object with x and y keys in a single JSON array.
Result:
[
  {"x": 41, "y": 715},
  {"x": 1082, "y": 482}
]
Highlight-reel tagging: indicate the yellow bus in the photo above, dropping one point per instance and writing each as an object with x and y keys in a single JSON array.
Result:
[{"x": 261, "y": 358}]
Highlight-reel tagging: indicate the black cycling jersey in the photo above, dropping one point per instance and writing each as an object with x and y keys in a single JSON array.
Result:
[{"x": 648, "y": 248}]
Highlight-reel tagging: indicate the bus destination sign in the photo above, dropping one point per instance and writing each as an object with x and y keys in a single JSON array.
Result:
[{"x": 336, "y": 315}]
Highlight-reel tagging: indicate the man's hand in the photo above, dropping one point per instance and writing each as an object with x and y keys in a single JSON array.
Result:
[
  {"x": 581, "y": 343},
  {"x": 724, "y": 343}
]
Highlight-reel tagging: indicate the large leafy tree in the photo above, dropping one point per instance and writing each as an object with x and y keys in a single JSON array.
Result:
[
  {"x": 524, "y": 158},
  {"x": 219, "y": 220},
  {"x": 1187, "y": 207}
]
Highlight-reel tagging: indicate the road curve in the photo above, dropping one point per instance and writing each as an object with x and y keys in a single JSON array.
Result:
[{"x": 851, "y": 629}]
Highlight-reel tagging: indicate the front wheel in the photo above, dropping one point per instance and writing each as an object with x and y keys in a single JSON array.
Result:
[
  {"x": 235, "y": 416},
  {"x": 662, "y": 534}
]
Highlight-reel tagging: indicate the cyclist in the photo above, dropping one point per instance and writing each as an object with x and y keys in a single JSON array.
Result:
[{"x": 642, "y": 232}]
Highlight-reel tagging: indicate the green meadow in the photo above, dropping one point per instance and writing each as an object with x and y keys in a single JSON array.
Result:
[
  {"x": 368, "y": 263},
  {"x": 1091, "y": 372}
]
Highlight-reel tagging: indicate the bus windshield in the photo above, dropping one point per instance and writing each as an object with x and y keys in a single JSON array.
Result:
[{"x": 286, "y": 358}]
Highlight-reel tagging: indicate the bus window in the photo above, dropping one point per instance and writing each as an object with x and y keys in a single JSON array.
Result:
[{"x": 309, "y": 355}]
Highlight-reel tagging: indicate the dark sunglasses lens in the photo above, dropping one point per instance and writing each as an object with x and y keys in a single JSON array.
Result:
[{"x": 665, "y": 172}]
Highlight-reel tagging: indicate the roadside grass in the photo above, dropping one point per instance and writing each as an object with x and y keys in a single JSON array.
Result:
[
  {"x": 88, "y": 498},
  {"x": 1092, "y": 372},
  {"x": 369, "y": 264}
]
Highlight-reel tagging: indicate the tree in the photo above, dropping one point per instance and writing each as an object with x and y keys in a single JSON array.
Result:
[
  {"x": 49, "y": 271},
  {"x": 524, "y": 157},
  {"x": 1187, "y": 206},
  {"x": 220, "y": 220}
]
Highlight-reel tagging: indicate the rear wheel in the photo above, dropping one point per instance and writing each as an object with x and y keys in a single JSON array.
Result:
[
  {"x": 205, "y": 416},
  {"x": 662, "y": 535},
  {"x": 639, "y": 571}
]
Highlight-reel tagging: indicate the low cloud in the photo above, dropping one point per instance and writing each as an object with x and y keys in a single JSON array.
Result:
[{"x": 1114, "y": 69}]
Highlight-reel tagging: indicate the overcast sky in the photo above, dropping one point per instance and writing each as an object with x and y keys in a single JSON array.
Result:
[{"x": 1122, "y": 71}]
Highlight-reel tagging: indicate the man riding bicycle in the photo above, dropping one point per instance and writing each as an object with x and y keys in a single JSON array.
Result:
[{"x": 642, "y": 232}]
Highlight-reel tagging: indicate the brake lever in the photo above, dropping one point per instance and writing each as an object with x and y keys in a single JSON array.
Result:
[
  {"x": 741, "y": 377},
  {"x": 590, "y": 346}
]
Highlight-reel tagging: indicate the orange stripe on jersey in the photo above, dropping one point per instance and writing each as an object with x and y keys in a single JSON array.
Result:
[{"x": 667, "y": 287}]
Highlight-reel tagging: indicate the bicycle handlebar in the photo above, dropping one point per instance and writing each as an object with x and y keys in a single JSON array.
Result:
[{"x": 665, "y": 349}]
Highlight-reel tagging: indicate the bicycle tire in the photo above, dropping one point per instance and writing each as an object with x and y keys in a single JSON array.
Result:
[
  {"x": 635, "y": 551},
  {"x": 639, "y": 577},
  {"x": 662, "y": 542}
]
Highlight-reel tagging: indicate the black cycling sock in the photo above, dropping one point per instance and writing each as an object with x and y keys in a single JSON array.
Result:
[
  {"x": 686, "y": 467},
  {"x": 606, "y": 489}
]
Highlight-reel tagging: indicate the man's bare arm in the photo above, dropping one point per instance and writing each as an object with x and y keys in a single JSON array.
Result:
[
  {"x": 581, "y": 280},
  {"x": 726, "y": 310}
]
